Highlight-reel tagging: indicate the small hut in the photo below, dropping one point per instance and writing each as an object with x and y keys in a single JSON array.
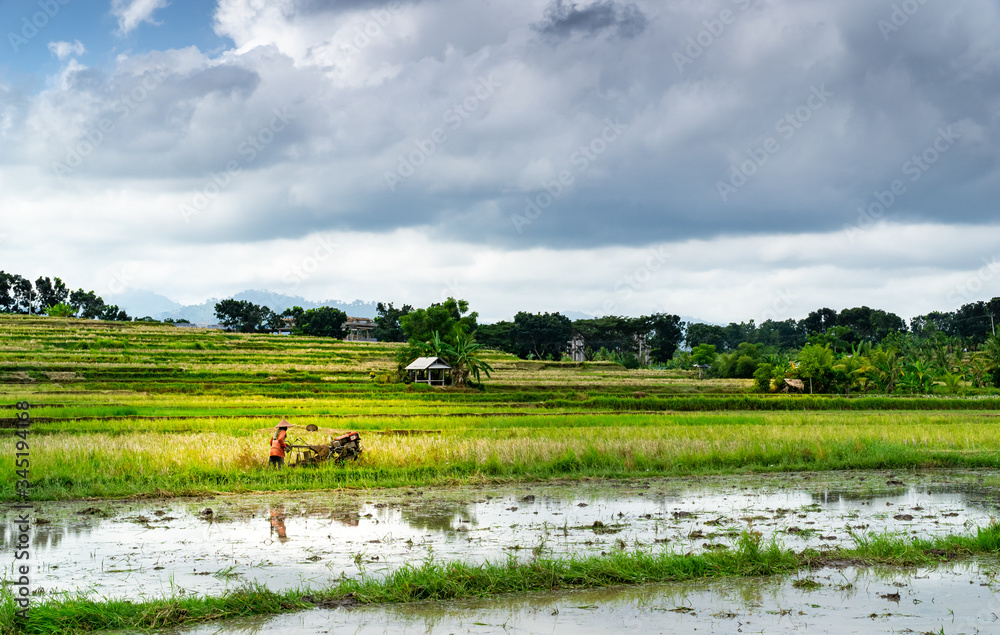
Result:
[
  {"x": 796, "y": 385},
  {"x": 422, "y": 370}
]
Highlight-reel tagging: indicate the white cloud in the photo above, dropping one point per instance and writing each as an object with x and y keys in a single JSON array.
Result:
[
  {"x": 131, "y": 14},
  {"x": 62, "y": 50}
]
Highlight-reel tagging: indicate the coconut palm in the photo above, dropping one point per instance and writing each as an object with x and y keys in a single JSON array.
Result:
[
  {"x": 882, "y": 368},
  {"x": 851, "y": 368}
]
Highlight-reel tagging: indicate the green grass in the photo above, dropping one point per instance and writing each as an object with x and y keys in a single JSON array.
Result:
[{"x": 430, "y": 580}]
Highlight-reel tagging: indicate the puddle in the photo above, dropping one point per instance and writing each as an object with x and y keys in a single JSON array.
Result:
[
  {"x": 204, "y": 546},
  {"x": 960, "y": 598}
]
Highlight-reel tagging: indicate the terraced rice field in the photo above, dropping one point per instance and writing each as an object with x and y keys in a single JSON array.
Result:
[{"x": 138, "y": 415}]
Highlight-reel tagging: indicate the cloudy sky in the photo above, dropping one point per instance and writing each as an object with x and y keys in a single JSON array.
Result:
[{"x": 728, "y": 159}]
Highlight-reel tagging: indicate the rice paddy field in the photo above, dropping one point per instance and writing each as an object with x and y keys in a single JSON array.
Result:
[
  {"x": 150, "y": 412},
  {"x": 121, "y": 409}
]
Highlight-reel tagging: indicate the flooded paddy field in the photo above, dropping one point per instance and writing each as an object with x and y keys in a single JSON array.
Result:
[
  {"x": 951, "y": 598},
  {"x": 155, "y": 548}
]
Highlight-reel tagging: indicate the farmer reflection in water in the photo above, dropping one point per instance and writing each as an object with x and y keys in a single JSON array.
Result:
[
  {"x": 278, "y": 445},
  {"x": 278, "y": 523}
]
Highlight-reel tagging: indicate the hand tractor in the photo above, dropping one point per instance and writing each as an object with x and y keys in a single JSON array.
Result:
[{"x": 346, "y": 446}]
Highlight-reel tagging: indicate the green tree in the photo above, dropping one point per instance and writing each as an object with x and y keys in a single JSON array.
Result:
[
  {"x": 815, "y": 363},
  {"x": 419, "y": 325},
  {"x": 762, "y": 377},
  {"x": 699, "y": 333},
  {"x": 50, "y": 292},
  {"x": 323, "y": 321},
  {"x": 819, "y": 321},
  {"x": 836, "y": 337},
  {"x": 86, "y": 304},
  {"x": 704, "y": 354},
  {"x": 16, "y": 294},
  {"x": 242, "y": 315},
  {"x": 499, "y": 336},
  {"x": 541, "y": 335},
  {"x": 112, "y": 313},
  {"x": 664, "y": 333},
  {"x": 387, "y": 322}
]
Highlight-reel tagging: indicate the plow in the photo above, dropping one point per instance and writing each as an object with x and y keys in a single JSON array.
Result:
[{"x": 339, "y": 449}]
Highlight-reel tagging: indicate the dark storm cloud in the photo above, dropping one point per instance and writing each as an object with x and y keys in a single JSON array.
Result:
[
  {"x": 698, "y": 97},
  {"x": 563, "y": 19}
]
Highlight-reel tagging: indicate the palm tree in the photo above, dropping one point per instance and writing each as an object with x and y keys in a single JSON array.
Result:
[
  {"x": 883, "y": 367},
  {"x": 851, "y": 367},
  {"x": 991, "y": 352},
  {"x": 917, "y": 376},
  {"x": 463, "y": 359}
]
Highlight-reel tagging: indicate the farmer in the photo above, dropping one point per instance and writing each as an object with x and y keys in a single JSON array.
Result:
[{"x": 278, "y": 444}]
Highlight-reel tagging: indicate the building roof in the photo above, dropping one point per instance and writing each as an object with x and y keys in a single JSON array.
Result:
[{"x": 428, "y": 363}]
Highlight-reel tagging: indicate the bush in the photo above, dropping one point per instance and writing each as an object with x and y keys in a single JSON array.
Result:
[{"x": 762, "y": 377}]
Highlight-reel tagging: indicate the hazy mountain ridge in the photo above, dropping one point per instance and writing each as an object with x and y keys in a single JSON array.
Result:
[{"x": 141, "y": 303}]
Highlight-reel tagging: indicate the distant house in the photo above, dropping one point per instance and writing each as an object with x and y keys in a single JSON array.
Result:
[
  {"x": 359, "y": 329},
  {"x": 422, "y": 370}
]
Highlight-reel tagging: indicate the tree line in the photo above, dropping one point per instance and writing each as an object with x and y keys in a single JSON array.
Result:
[
  {"x": 50, "y": 296},
  {"x": 853, "y": 349}
]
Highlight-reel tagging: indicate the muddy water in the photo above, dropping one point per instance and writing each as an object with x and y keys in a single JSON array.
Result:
[
  {"x": 204, "y": 546},
  {"x": 961, "y": 598}
]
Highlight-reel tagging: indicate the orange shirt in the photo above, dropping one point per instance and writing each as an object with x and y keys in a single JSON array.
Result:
[{"x": 278, "y": 444}]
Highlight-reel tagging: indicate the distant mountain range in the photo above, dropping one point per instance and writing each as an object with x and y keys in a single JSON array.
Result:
[{"x": 140, "y": 303}]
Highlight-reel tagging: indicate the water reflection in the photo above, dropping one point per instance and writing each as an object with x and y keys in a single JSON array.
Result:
[
  {"x": 278, "y": 523},
  {"x": 211, "y": 544}
]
